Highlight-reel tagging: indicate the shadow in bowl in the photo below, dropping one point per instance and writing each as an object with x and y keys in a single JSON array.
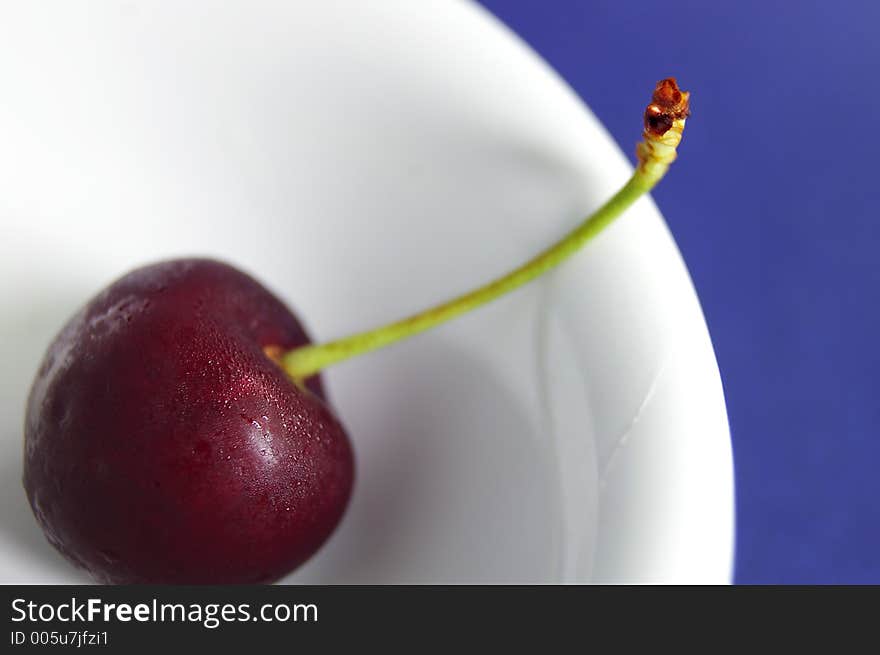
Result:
[{"x": 455, "y": 482}]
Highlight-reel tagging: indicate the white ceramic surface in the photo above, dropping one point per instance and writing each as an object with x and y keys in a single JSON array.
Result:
[{"x": 364, "y": 160}]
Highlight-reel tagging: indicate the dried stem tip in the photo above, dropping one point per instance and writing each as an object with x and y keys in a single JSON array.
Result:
[
  {"x": 668, "y": 104},
  {"x": 664, "y": 123}
]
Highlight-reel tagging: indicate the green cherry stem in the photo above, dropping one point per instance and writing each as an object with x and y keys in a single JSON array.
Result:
[{"x": 664, "y": 122}]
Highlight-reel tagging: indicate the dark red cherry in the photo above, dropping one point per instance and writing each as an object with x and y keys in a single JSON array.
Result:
[{"x": 162, "y": 445}]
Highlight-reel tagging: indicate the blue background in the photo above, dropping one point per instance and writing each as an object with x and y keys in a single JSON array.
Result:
[{"x": 774, "y": 204}]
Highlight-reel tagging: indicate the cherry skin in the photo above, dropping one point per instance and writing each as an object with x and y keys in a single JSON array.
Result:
[{"x": 163, "y": 445}]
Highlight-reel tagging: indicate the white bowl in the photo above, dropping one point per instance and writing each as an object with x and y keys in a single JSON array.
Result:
[{"x": 365, "y": 160}]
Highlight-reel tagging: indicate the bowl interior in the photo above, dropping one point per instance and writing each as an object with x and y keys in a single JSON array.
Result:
[{"x": 363, "y": 169}]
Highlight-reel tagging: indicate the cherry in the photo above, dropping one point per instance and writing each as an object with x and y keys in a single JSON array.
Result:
[
  {"x": 163, "y": 445},
  {"x": 177, "y": 430}
]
